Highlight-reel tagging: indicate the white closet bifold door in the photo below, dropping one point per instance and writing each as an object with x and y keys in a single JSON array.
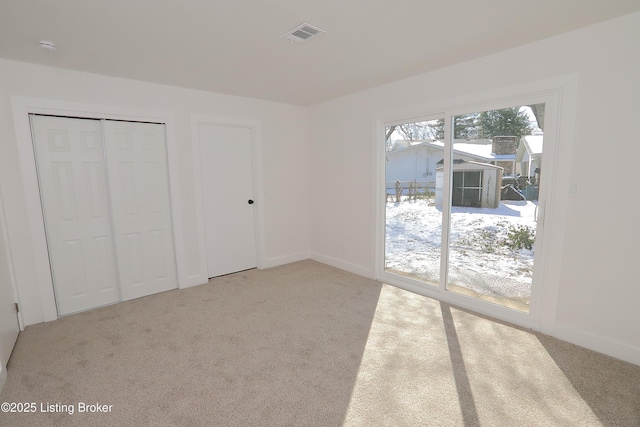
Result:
[
  {"x": 75, "y": 203},
  {"x": 141, "y": 211}
]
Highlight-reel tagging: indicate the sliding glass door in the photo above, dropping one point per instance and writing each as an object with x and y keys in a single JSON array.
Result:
[
  {"x": 413, "y": 243},
  {"x": 461, "y": 202}
]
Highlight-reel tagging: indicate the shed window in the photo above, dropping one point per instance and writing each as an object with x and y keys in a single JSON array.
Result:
[{"x": 467, "y": 188}]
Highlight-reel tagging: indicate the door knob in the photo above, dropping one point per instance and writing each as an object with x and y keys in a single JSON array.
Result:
[{"x": 250, "y": 202}]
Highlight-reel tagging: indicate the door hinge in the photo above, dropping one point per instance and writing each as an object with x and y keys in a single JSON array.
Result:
[{"x": 17, "y": 308}]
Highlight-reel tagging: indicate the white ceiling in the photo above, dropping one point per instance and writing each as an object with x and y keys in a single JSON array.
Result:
[{"x": 234, "y": 46}]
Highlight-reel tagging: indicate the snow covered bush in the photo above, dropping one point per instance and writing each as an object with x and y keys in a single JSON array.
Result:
[{"x": 519, "y": 237}]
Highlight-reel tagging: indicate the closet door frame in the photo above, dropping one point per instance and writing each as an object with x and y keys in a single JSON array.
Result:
[{"x": 42, "y": 290}]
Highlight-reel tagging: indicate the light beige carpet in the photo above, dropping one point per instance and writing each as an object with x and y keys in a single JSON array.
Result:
[{"x": 309, "y": 345}]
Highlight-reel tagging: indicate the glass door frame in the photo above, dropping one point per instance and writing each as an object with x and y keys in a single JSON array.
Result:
[{"x": 552, "y": 98}]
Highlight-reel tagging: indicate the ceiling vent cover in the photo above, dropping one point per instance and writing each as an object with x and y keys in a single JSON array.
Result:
[{"x": 302, "y": 33}]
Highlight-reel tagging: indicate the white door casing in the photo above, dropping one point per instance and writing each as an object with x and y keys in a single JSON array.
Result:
[
  {"x": 226, "y": 164},
  {"x": 141, "y": 207},
  {"x": 9, "y": 326},
  {"x": 34, "y": 286},
  {"x": 75, "y": 202}
]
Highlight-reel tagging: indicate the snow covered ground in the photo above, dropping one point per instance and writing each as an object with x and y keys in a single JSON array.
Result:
[{"x": 479, "y": 258}]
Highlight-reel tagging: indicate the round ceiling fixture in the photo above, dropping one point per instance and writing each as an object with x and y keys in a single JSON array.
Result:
[{"x": 47, "y": 45}]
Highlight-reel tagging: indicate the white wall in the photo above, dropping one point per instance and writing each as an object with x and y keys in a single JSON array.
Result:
[
  {"x": 284, "y": 159},
  {"x": 598, "y": 292}
]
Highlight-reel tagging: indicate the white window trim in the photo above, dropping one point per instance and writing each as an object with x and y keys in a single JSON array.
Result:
[{"x": 560, "y": 96}]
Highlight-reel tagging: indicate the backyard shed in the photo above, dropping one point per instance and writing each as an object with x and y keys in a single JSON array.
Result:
[{"x": 475, "y": 184}]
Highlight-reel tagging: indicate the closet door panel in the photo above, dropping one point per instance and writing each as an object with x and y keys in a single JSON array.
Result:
[
  {"x": 141, "y": 209},
  {"x": 75, "y": 203}
]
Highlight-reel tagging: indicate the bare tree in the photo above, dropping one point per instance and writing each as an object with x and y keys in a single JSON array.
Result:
[
  {"x": 390, "y": 131},
  {"x": 418, "y": 131},
  {"x": 538, "y": 111}
]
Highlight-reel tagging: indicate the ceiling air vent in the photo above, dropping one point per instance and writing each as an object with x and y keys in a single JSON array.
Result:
[{"x": 303, "y": 33}]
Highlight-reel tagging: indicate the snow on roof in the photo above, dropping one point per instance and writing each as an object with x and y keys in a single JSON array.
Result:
[
  {"x": 401, "y": 144},
  {"x": 459, "y": 164},
  {"x": 478, "y": 148},
  {"x": 534, "y": 143},
  {"x": 482, "y": 150}
]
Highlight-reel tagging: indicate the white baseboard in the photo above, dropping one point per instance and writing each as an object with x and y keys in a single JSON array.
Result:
[
  {"x": 594, "y": 342},
  {"x": 194, "y": 280},
  {"x": 285, "y": 259},
  {"x": 201, "y": 279},
  {"x": 342, "y": 265}
]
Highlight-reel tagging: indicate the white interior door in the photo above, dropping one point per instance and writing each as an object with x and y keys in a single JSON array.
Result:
[
  {"x": 226, "y": 159},
  {"x": 140, "y": 203},
  {"x": 9, "y": 327},
  {"x": 75, "y": 203}
]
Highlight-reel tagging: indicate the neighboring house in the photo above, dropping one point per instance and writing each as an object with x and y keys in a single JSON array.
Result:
[
  {"x": 529, "y": 157},
  {"x": 409, "y": 160},
  {"x": 478, "y": 168},
  {"x": 418, "y": 160},
  {"x": 504, "y": 153}
]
